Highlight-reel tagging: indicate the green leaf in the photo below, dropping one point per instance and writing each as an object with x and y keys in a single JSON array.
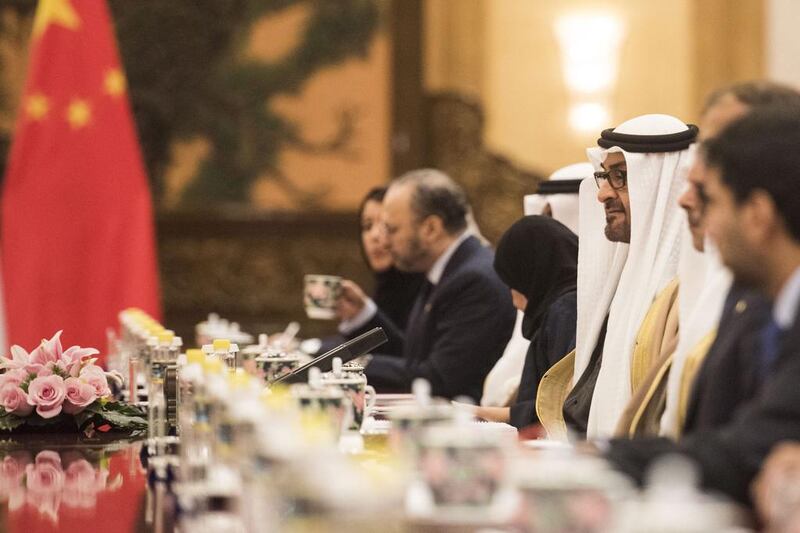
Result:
[
  {"x": 94, "y": 407},
  {"x": 9, "y": 422},
  {"x": 123, "y": 408},
  {"x": 123, "y": 421}
]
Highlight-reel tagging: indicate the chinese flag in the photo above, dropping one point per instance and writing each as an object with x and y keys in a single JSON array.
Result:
[{"x": 77, "y": 221}]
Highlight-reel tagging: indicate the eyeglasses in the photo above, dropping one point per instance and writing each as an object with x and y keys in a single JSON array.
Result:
[{"x": 616, "y": 178}]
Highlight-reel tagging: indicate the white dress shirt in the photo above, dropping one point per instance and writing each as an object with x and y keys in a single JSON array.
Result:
[{"x": 784, "y": 310}]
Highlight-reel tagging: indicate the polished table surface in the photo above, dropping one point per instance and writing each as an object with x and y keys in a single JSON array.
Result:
[{"x": 53, "y": 482}]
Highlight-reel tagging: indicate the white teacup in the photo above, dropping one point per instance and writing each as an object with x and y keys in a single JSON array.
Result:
[
  {"x": 320, "y": 295},
  {"x": 464, "y": 468},
  {"x": 362, "y": 396},
  {"x": 331, "y": 401}
]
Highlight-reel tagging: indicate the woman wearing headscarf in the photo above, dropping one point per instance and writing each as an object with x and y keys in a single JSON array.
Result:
[
  {"x": 537, "y": 257},
  {"x": 556, "y": 197}
]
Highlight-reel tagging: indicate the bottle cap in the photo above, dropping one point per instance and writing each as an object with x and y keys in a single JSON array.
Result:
[
  {"x": 166, "y": 336},
  {"x": 195, "y": 356},
  {"x": 221, "y": 345}
]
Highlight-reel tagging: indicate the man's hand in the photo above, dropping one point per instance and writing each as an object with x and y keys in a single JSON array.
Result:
[
  {"x": 776, "y": 490},
  {"x": 351, "y": 301}
]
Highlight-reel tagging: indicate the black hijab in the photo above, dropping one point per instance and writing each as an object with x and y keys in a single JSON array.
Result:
[
  {"x": 395, "y": 291},
  {"x": 538, "y": 257}
]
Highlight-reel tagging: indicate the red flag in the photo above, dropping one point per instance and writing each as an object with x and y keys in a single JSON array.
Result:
[{"x": 77, "y": 223}]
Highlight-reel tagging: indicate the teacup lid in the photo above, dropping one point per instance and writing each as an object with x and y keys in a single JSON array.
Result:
[
  {"x": 277, "y": 355},
  {"x": 344, "y": 377},
  {"x": 353, "y": 366}
]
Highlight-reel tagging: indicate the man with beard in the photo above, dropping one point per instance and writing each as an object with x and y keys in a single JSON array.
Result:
[
  {"x": 750, "y": 183},
  {"x": 626, "y": 271},
  {"x": 463, "y": 316}
]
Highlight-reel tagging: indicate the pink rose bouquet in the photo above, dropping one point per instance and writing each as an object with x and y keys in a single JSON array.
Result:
[{"x": 54, "y": 386}]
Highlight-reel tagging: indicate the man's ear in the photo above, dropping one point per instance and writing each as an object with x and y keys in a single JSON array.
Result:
[
  {"x": 431, "y": 228},
  {"x": 760, "y": 217}
]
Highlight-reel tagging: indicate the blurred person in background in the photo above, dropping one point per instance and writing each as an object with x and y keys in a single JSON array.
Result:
[{"x": 707, "y": 384}]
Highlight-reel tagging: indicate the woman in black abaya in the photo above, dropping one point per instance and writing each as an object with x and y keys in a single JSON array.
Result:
[{"x": 537, "y": 257}]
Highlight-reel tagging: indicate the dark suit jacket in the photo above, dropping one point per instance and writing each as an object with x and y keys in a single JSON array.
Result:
[
  {"x": 730, "y": 455},
  {"x": 728, "y": 375},
  {"x": 455, "y": 336}
]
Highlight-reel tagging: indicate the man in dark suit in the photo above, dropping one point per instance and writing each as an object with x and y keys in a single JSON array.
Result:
[
  {"x": 728, "y": 375},
  {"x": 463, "y": 316},
  {"x": 752, "y": 186}
]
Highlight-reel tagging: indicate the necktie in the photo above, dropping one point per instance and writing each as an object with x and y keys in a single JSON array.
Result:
[
  {"x": 419, "y": 305},
  {"x": 771, "y": 336}
]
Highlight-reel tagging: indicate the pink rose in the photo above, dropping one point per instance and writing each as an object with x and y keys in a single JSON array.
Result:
[
  {"x": 12, "y": 472},
  {"x": 81, "y": 484},
  {"x": 15, "y": 376},
  {"x": 14, "y": 400},
  {"x": 96, "y": 377},
  {"x": 79, "y": 395},
  {"x": 45, "y": 481},
  {"x": 48, "y": 457},
  {"x": 47, "y": 393}
]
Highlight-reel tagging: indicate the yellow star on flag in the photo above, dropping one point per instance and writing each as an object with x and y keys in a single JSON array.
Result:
[
  {"x": 114, "y": 82},
  {"x": 37, "y": 106},
  {"x": 78, "y": 113},
  {"x": 58, "y": 12}
]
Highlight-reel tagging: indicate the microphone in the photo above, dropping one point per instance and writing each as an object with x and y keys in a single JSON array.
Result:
[{"x": 348, "y": 351}]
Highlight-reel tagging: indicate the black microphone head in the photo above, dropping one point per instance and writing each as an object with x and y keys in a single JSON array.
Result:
[{"x": 347, "y": 351}]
